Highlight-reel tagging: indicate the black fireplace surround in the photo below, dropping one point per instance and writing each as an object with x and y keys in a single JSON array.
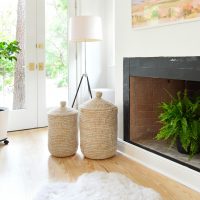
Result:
[{"x": 178, "y": 68}]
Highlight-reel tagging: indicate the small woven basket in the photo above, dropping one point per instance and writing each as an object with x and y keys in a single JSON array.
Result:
[
  {"x": 98, "y": 128},
  {"x": 62, "y": 131}
]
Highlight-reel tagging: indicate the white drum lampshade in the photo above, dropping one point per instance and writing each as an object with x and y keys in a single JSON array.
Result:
[{"x": 85, "y": 29}]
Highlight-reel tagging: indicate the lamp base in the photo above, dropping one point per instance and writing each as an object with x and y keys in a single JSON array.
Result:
[{"x": 79, "y": 85}]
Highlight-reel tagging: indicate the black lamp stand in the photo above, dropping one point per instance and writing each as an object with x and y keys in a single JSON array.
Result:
[{"x": 79, "y": 85}]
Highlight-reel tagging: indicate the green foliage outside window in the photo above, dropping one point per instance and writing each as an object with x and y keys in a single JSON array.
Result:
[
  {"x": 8, "y": 51},
  {"x": 56, "y": 45}
]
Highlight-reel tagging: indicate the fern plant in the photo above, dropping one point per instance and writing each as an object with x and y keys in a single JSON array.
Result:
[{"x": 181, "y": 119}]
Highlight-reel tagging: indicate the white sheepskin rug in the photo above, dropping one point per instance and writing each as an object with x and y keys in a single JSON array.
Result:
[{"x": 98, "y": 186}]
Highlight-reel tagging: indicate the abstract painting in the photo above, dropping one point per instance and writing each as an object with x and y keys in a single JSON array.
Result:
[{"x": 157, "y": 12}]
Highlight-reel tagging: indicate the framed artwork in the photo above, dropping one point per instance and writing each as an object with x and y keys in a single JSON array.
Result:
[{"x": 147, "y": 13}]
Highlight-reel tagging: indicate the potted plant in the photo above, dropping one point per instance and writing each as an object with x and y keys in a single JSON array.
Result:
[
  {"x": 8, "y": 51},
  {"x": 181, "y": 123}
]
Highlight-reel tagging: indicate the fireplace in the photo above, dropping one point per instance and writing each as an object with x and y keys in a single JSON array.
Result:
[{"x": 147, "y": 83}]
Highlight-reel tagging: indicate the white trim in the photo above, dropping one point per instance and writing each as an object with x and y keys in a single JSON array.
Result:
[
  {"x": 73, "y": 57},
  {"x": 173, "y": 170},
  {"x": 41, "y": 75}
]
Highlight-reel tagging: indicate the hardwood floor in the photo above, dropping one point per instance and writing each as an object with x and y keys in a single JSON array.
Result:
[{"x": 26, "y": 165}]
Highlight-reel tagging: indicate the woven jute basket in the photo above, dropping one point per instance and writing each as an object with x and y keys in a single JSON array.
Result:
[
  {"x": 98, "y": 128},
  {"x": 62, "y": 131}
]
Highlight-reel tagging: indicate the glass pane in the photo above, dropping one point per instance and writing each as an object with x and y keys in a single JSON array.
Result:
[
  {"x": 56, "y": 52},
  {"x": 12, "y": 74}
]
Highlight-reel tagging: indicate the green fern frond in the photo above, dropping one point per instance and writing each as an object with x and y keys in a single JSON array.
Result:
[{"x": 181, "y": 118}]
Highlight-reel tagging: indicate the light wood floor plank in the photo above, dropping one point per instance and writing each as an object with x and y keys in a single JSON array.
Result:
[{"x": 26, "y": 165}]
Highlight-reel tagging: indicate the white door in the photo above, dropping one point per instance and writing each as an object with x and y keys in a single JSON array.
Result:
[
  {"x": 33, "y": 86},
  {"x": 18, "y": 89}
]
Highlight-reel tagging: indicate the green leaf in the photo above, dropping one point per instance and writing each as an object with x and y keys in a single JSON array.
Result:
[
  {"x": 181, "y": 118},
  {"x": 8, "y": 50}
]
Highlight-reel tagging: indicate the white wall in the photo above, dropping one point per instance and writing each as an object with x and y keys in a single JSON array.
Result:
[
  {"x": 171, "y": 40},
  {"x": 110, "y": 42},
  {"x": 96, "y": 57},
  {"x": 99, "y": 54}
]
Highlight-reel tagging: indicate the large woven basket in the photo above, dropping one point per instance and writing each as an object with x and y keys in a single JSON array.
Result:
[
  {"x": 62, "y": 131},
  {"x": 98, "y": 128}
]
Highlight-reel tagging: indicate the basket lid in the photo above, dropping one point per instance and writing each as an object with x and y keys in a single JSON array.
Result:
[
  {"x": 63, "y": 110},
  {"x": 97, "y": 104}
]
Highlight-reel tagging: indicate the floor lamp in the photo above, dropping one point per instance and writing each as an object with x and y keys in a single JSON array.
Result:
[{"x": 85, "y": 29}]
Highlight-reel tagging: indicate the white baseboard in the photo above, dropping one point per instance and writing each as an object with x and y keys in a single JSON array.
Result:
[{"x": 173, "y": 170}]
